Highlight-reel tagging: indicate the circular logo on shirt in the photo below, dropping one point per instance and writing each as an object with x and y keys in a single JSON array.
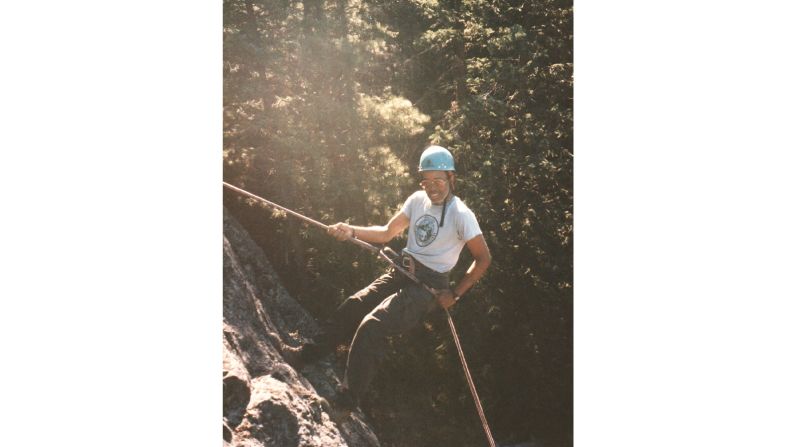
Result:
[{"x": 425, "y": 230}]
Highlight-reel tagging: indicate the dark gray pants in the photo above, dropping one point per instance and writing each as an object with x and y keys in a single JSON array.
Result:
[{"x": 391, "y": 305}]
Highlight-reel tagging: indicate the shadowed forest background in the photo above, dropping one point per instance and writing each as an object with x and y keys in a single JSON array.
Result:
[{"x": 327, "y": 107}]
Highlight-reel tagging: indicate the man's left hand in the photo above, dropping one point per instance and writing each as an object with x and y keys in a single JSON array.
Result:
[{"x": 445, "y": 298}]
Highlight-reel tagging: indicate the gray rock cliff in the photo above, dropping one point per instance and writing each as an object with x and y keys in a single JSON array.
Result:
[{"x": 266, "y": 402}]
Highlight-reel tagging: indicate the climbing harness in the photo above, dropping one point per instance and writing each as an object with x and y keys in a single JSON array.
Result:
[{"x": 390, "y": 256}]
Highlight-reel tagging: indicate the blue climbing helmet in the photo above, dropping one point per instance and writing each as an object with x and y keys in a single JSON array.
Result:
[{"x": 436, "y": 158}]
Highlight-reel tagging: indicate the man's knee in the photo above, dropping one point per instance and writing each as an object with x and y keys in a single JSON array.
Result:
[
  {"x": 351, "y": 308},
  {"x": 369, "y": 330},
  {"x": 369, "y": 324}
]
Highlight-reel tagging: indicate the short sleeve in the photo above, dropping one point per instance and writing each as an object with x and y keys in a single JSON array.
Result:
[
  {"x": 468, "y": 226},
  {"x": 406, "y": 208}
]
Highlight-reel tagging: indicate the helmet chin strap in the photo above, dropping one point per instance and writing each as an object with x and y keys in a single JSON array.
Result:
[
  {"x": 446, "y": 199},
  {"x": 444, "y": 207}
]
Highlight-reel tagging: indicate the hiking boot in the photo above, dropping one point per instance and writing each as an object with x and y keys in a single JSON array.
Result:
[{"x": 293, "y": 356}]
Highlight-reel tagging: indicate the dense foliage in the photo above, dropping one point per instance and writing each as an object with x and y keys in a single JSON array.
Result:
[{"x": 327, "y": 106}]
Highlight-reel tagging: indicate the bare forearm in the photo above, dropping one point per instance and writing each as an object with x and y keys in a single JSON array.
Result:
[
  {"x": 378, "y": 234},
  {"x": 472, "y": 276}
]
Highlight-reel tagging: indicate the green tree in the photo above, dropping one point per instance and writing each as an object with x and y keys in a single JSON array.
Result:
[{"x": 327, "y": 106}]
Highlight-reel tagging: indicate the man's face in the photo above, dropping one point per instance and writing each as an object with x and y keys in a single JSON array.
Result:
[{"x": 436, "y": 185}]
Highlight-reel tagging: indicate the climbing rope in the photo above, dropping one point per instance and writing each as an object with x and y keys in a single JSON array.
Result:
[
  {"x": 384, "y": 254},
  {"x": 470, "y": 382}
]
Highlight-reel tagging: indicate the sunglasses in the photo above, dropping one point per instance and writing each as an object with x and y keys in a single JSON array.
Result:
[{"x": 437, "y": 182}]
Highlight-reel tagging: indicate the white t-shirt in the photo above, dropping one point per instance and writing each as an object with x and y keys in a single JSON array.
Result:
[{"x": 435, "y": 247}]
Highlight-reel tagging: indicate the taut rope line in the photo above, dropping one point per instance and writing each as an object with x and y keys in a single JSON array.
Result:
[{"x": 382, "y": 254}]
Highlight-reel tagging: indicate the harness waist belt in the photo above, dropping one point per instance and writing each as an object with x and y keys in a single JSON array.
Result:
[{"x": 413, "y": 265}]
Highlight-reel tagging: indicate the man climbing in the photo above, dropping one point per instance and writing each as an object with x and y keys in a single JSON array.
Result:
[{"x": 440, "y": 225}]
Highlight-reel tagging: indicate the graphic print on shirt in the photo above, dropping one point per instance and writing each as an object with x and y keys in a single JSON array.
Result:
[{"x": 425, "y": 230}]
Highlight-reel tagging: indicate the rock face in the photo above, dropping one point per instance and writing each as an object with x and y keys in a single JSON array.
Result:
[{"x": 267, "y": 402}]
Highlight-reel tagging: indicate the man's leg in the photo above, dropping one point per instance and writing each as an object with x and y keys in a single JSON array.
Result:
[
  {"x": 397, "y": 314},
  {"x": 340, "y": 326}
]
